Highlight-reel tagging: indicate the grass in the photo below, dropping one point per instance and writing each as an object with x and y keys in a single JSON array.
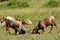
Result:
[
  {"x": 35, "y": 12},
  {"x": 34, "y": 15}
]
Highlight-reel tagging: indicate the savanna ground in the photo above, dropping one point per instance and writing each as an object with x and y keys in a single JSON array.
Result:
[{"x": 35, "y": 12}]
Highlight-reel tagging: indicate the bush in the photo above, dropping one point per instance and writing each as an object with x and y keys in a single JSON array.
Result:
[
  {"x": 52, "y": 3},
  {"x": 18, "y": 4}
]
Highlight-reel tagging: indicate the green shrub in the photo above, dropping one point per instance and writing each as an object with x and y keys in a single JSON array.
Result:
[
  {"x": 52, "y": 3},
  {"x": 18, "y": 4}
]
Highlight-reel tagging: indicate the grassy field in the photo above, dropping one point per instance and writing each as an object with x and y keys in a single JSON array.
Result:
[{"x": 35, "y": 13}]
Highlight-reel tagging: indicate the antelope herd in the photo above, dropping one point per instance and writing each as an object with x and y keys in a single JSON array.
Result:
[{"x": 17, "y": 24}]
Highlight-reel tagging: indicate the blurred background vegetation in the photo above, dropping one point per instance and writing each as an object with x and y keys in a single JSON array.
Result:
[{"x": 28, "y": 3}]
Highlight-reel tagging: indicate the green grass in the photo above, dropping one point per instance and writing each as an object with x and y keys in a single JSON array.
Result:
[
  {"x": 35, "y": 15},
  {"x": 35, "y": 12}
]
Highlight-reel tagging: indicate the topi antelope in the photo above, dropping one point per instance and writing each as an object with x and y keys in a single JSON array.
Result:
[
  {"x": 48, "y": 21},
  {"x": 15, "y": 24}
]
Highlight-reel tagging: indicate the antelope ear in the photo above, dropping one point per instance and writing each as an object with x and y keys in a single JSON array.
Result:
[
  {"x": 2, "y": 17},
  {"x": 15, "y": 17},
  {"x": 39, "y": 20},
  {"x": 18, "y": 16}
]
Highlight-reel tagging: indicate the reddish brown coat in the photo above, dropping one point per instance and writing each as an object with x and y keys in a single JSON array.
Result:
[{"x": 50, "y": 20}]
